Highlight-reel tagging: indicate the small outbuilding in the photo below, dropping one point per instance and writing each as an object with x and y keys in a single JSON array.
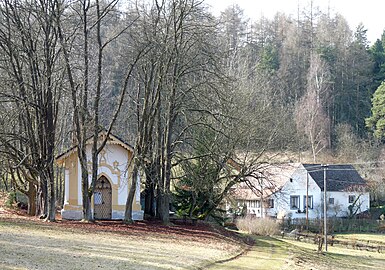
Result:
[{"x": 112, "y": 186}]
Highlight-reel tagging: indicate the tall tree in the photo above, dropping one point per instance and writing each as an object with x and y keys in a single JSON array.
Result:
[
  {"x": 360, "y": 77},
  {"x": 171, "y": 80},
  {"x": 86, "y": 89},
  {"x": 310, "y": 111},
  {"x": 377, "y": 51},
  {"x": 33, "y": 83},
  {"x": 376, "y": 122}
]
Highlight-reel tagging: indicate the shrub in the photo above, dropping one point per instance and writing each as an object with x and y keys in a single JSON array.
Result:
[
  {"x": 11, "y": 200},
  {"x": 15, "y": 198},
  {"x": 258, "y": 226}
]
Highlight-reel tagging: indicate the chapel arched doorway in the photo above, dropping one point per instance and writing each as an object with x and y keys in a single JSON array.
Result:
[{"x": 102, "y": 199}]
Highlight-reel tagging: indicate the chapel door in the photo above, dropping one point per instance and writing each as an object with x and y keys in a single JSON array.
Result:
[{"x": 103, "y": 199}]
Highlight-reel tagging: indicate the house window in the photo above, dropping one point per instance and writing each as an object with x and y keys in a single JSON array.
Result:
[
  {"x": 352, "y": 198},
  {"x": 249, "y": 204},
  {"x": 294, "y": 202},
  {"x": 331, "y": 200},
  {"x": 271, "y": 203},
  {"x": 309, "y": 202},
  {"x": 254, "y": 204}
]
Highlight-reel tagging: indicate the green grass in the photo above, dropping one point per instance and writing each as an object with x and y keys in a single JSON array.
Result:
[
  {"x": 371, "y": 237},
  {"x": 276, "y": 253},
  {"x": 267, "y": 253},
  {"x": 338, "y": 257}
]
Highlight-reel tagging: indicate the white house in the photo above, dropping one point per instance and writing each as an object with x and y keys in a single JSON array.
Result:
[
  {"x": 286, "y": 188},
  {"x": 257, "y": 194},
  {"x": 112, "y": 186}
]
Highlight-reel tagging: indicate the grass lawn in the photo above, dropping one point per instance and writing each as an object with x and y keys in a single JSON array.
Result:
[
  {"x": 371, "y": 237},
  {"x": 39, "y": 245},
  {"x": 276, "y": 253},
  {"x": 267, "y": 253},
  {"x": 338, "y": 257},
  {"x": 28, "y": 243}
]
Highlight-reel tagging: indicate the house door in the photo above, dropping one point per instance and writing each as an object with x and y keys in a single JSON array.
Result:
[{"x": 102, "y": 199}]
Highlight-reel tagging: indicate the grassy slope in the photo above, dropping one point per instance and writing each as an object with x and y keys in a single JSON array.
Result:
[
  {"x": 380, "y": 238},
  {"x": 268, "y": 253},
  {"x": 27, "y": 243},
  {"x": 43, "y": 246},
  {"x": 37, "y": 245},
  {"x": 274, "y": 253},
  {"x": 339, "y": 257}
]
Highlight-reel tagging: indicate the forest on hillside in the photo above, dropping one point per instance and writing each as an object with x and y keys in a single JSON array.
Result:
[{"x": 189, "y": 90}]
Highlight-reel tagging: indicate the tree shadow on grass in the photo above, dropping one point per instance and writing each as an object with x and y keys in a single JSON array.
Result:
[{"x": 336, "y": 257}]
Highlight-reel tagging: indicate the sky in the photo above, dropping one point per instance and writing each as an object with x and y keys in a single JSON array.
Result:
[{"x": 369, "y": 12}]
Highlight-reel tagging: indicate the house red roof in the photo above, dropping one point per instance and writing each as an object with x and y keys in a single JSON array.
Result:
[{"x": 267, "y": 181}]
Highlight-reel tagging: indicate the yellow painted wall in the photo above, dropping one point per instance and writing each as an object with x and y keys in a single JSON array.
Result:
[
  {"x": 71, "y": 163},
  {"x": 135, "y": 205}
]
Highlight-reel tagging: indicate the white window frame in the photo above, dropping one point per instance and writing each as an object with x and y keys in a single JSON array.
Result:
[
  {"x": 310, "y": 201},
  {"x": 351, "y": 198},
  {"x": 297, "y": 200}
]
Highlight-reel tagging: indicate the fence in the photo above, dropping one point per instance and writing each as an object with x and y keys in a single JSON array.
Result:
[{"x": 337, "y": 225}]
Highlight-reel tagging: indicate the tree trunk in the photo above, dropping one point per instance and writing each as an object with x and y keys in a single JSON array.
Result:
[
  {"x": 31, "y": 199},
  {"x": 149, "y": 192},
  {"x": 43, "y": 198},
  {"x": 51, "y": 198},
  {"x": 149, "y": 197},
  {"x": 5, "y": 181},
  {"x": 192, "y": 206},
  {"x": 163, "y": 207},
  {"x": 57, "y": 185},
  {"x": 87, "y": 214},
  {"x": 131, "y": 194}
]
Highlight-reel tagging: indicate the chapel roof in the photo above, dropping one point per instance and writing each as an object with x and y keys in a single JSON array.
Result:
[{"x": 113, "y": 139}]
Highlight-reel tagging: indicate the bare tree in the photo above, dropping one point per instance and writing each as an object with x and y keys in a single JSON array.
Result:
[
  {"x": 182, "y": 62},
  {"x": 310, "y": 113},
  {"x": 86, "y": 89},
  {"x": 32, "y": 89}
]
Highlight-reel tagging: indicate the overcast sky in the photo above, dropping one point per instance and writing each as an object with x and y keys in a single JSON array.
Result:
[{"x": 369, "y": 12}]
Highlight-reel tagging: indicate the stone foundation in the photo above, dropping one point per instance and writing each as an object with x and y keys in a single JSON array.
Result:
[
  {"x": 71, "y": 214},
  {"x": 78, "y": 215}
]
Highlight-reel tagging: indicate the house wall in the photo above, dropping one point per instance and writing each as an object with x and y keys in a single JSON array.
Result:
[
  {"x": 254, "y": 207},
  {"x": 341, "y": 203},
  {"x": 72, "y": 207},
  {"x": 114, "y": 164},
  {"x": 296, "y": 187}
]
